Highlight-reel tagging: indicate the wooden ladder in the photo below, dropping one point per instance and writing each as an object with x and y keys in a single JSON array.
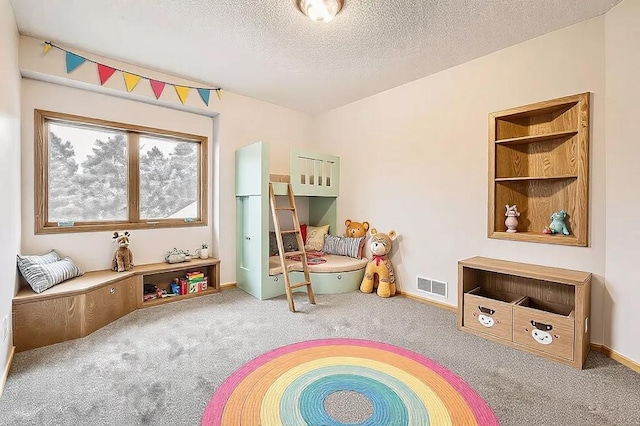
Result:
[{"x": 301, "y": 251}]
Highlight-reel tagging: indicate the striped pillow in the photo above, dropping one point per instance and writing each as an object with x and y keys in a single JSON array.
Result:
[
  {"x": 343, "y": 246},
  {"x": 45, "y": 275},
  {"x": 25, "y": 261}
]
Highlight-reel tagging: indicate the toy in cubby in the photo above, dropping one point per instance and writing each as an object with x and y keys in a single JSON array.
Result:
[{"x": 193, "y": 282}]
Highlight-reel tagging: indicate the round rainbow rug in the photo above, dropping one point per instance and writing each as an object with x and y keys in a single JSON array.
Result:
[{"x": 289, "y": 385}]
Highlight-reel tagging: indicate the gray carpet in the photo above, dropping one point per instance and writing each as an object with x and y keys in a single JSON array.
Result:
[{"x": 160, "y": 366}]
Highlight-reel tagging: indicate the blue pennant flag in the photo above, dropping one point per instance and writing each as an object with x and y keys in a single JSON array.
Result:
[
  {"x": 204, "y": 94},
  {"x": 74, "y": 61}
]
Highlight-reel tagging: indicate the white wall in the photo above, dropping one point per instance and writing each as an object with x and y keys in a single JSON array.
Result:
[
  {"x": 9, "y": 169},
  {"x": 238, "y": 121},
  {"x": 623, "y": 174},
  {"x": 415, "y": 158}
]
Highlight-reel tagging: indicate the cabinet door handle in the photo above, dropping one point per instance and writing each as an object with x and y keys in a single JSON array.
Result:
[
  {"x": 112, "y": 290},
  {"x": 339, "y": 277},
  {"x": 247, "y": 238}
]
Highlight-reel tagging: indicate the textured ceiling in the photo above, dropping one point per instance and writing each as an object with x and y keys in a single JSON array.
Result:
[{"x": 268, "y": 50}]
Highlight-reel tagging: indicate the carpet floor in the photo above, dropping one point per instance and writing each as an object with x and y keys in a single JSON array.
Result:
[{"x": 161, "y": 365}]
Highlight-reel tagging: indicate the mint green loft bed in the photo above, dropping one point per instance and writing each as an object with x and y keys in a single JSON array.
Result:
[{"x": 315, "y": 179}]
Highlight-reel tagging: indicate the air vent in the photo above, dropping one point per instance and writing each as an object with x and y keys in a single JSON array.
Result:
[{"x": 439, "y": 288}]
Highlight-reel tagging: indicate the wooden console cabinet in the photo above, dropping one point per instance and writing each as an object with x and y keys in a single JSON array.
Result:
[
  {"x": 78, "y": 307},
  {"x": 538, "y": 309}
]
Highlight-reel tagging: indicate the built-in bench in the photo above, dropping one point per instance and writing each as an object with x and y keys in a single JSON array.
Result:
[{"x": 82, "y": 305}]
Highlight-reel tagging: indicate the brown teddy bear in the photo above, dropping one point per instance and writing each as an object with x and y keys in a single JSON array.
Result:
[
  {"x": 356, "y": 229},
  {"x": 123, "y": 257},
  {"x": 379, "y": 272}
]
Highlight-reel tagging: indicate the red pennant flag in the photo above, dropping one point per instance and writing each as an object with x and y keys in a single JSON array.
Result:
[
  {"x": 105, "y": 73},
  {"x": 157, "y": 87}
]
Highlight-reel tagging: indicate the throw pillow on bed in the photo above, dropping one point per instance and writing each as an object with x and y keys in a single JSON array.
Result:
[
  {"x": 303, "y": 232},
  {"x": 289, "y": 241},
  {"x": 45, "y": 271},
  {"x": 344, "y": 246},
  {"x": 315, "y": 237}
]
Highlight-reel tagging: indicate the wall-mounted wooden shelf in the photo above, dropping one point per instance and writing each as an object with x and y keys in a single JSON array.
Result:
[
  {"x": 537, "y": 138},
  {"x": 512, "y": 179},
  {"x": 538, "y": 160}
]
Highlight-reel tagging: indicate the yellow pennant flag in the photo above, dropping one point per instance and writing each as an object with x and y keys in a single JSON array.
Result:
[
  {"x": 130, "y": 80},
  {"x": 47, "y": 48},
  {"x": 219, "y": 93},
  {"x": 182, "y": 93}
]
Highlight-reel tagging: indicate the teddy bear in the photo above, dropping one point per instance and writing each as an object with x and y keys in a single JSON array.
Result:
[
  {"x": 557, "y": 225},
  {"x": 379, "y": 272},
  {"x": 123, "y": 257},
  {"x": 356, "y": 229}
]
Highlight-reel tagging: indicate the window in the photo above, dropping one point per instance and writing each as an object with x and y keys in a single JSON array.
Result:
[{"x": 94, "y": 175}]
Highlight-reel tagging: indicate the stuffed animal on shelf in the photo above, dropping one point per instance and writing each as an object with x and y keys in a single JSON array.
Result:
[
  {"x": 123, "y": 257},
  {"x": 379, "y": 272},
  {"x": 557, "y": 225},
  {"x": 356, "y": 229}
]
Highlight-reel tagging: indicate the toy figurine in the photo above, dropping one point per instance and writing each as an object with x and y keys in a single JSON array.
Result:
[
  {"x": 123, "y": 257},
  {"x": 557, "y": 225},
  {"x": 511, "y": 221}
]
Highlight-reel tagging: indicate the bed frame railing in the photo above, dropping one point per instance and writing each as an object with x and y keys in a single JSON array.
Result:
[{"x": 315, "y": 174}]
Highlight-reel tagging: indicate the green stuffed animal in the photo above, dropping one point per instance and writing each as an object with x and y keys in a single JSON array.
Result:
[{"x": 557, "y": 225}]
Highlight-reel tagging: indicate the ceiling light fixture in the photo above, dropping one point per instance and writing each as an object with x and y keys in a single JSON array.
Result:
[{"x": 320, "y": 10}]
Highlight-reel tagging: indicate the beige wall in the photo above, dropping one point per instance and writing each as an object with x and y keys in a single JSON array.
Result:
[
  {"x": 237, "y": 121},
  {"x": 94, "y": 250},
  {"x": 623, "y": 174},
  {"x": 415, "y": 158},
  {"x": 9, "y": 169}
]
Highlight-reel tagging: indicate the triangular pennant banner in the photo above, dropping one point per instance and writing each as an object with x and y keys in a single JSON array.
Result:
[
  {"x": 105, "y": 73},
  {"x": 157, "y": 87},
  {"x": 47, "y": 48},
  {"x": 219, "y": 93},
  {"x": 204, "y": 94},
  {"x": 182, "y": 92},
  {"x": 74, "y": 61},
  {"x": 130, "y": 80}
]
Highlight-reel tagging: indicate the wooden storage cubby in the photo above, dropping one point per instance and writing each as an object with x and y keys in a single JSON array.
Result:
[
  {"x": 557, "y": 341},
  {"x": 490, "y": 311},
  {"x": 162, "y": 278},
  {"x": 82, "y": 305},
  {"x": 539, "y": 309},
  {"x": 538, "y": 160}
]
